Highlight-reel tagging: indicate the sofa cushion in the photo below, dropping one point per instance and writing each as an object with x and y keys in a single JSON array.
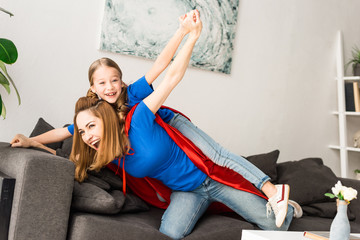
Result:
[
  {"x": 41, "y": 127},
  {"x": 309, "y": 180},
  {"x": 145, "y": 225},
  {"x": 266, "y": 162}
]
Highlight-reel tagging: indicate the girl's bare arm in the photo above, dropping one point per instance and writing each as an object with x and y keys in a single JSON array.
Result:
[{"x": 178, "y": 67}]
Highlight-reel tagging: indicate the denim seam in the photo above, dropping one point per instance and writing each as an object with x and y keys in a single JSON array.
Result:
[
  {"x": 263, "y": 181},
  {"x": 193, "y": 216}
]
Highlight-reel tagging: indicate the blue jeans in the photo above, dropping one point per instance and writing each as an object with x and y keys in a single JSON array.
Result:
[
  {"x": 186, "y": 208},
  {"x": 217, "y": 153}
]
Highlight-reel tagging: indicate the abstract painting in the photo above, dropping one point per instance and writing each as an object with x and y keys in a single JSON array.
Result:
[{"x": 143, "y": 28}]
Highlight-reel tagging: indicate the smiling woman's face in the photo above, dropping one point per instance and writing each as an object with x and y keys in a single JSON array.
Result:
[{"x": 90, "y": 128}]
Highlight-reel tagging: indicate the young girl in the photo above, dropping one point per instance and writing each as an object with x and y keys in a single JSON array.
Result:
[{"x": 106, "y": 82}]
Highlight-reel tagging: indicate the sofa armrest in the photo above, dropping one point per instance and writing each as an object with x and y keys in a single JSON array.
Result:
[
  {"x": 42, "y": 195},
  {"x": 354, "y": 204}
]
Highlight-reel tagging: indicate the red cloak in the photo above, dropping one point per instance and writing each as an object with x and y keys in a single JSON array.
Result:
[{"x": 149, "y": 188}]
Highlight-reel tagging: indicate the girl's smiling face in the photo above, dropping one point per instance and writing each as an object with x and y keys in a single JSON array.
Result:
[
  {"x": 90, "y": 128},
  {"x": 107, "y": 83}
]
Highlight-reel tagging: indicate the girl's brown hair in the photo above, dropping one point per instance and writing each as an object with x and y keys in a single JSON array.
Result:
[
  {"x": 120, "y": 105},
  {"x": 114, "y": 143}
]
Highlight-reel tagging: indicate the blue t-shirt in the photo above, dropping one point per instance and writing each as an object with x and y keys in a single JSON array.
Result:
[
  {"x": 137, "y": 91},
  {"x": 156, "y": 155}
]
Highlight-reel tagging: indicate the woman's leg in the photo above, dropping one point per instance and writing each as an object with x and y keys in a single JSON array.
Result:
[
  {"x": 250, "y": 206},
  {"x": 217, "y": 153},
  {"x": 184, "y": 211}
]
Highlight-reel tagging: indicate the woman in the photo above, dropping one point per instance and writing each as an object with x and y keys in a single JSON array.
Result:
[{"x": 149, "y": 151}]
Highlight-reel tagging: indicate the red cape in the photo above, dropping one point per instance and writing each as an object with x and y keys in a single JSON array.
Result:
[{"x": 149, "y": 188}]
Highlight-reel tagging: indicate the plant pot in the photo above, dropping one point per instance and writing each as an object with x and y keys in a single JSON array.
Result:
[
  {"x": 356, "y": 70},
  {"x": 357, "y": 176}
]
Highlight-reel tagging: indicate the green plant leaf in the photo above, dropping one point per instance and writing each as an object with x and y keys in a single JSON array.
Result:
[
  {"x": 17, "y": 93},
  {"x": 330, "y": 195},
  {"x": 8, "y": 51},
  {"x": 3, "y": 109},
  {"x": 4, "y": 82},
  {"x": 3, "y": 67}
]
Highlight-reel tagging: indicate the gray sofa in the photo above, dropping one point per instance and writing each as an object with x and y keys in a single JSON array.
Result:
[{"x": 44, "y": 206}]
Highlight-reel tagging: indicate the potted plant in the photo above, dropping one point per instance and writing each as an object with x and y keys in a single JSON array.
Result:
[
  {"x": 357, "y": 173},
  {"x": 8, "y": 55},
  {"x": 355, "y": 61}
]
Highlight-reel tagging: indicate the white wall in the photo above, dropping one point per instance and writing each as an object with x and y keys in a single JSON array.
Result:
[{"x": 279, "y": 95}]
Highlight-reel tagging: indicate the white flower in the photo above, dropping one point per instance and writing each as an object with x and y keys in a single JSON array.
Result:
[
  {"x": 337, "y": 189},
  {"x": 342, "y": 193},
  {"x": 349, "y": 193}
]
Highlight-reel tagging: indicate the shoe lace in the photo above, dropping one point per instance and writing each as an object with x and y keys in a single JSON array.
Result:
[{"x": 271, "y": 206}]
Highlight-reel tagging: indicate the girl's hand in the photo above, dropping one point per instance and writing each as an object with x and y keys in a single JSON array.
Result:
[
  {"x": 191, "y": 21},
  {"x": 196, "y": 25},
  {"x": 183, "y": 25}
]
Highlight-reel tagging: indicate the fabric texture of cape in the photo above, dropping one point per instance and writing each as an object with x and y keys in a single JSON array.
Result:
[{"x": 149, "y": 189}]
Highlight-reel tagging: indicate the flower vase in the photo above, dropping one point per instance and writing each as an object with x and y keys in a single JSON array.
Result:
[{"x": 340, "y": 226}]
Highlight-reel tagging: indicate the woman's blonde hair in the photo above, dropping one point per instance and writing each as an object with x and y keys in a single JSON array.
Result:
[
  {"x": 121, "y": 105},
  {"x": 114, "y": 143}
]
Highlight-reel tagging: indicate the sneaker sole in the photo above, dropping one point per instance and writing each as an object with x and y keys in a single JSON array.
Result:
[{"x": 287, "y": 203}]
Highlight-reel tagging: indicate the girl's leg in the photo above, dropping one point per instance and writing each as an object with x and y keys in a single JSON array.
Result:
[
  {"x": 250, "y": 206},
  {"x": 278, "y": 195},
  {"x": 217, "y": 153},
  {"x": 184, "y": 211}
]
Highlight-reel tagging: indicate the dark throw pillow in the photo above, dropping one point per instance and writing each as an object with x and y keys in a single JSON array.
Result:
[
  {"x": 309, "y": 180},
  {"x": 90, "y": 198},
  {"x": 42, "y": 127},
  {"x": 325, "y": 210},
  {"x": 133, "y": 204},
  {"x": 102, "y": 193},
  {"x": 109, "y": 177},
  {"x": 65, "y": 149},
  {"x": 266, "y": 162}
]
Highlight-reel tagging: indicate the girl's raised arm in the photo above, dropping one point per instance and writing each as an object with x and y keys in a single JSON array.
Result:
[
  {"x": 178, "y": 67},
  {"x": 163, "y": 60}
]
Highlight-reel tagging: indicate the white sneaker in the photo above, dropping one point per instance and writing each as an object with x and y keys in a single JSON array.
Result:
[
  {"x": 298, "y": 212},
  {"x": 279, "y": 203}
]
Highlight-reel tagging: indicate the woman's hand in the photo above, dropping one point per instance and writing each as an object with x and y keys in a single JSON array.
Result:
[{"x": 21, "y": 141}]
